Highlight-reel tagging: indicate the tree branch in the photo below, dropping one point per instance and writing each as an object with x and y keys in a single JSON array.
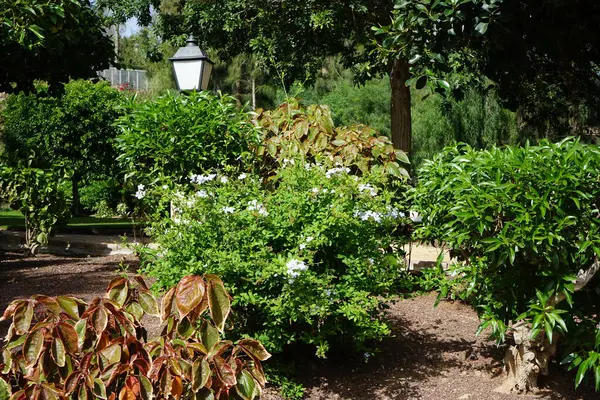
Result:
[{"x": 583, "y": 278}]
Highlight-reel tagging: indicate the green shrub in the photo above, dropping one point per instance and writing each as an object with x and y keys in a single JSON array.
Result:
[
  {"x": 306, "y": 259},
  {"x": 101, "y": 197},
  {"x": 61, "y": 347},
  {"x": 176, "y": 135},
  {"x": 41, "y": 196},
  {"x": 75, "y": 128},
  {"x": 524, "y": 224}
]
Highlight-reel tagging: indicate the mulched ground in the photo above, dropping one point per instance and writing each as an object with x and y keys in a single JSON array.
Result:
[{"x": 432, "y": 354}]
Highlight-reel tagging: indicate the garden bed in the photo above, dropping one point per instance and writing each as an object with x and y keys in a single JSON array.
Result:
[{"x": 433, "y": 353}]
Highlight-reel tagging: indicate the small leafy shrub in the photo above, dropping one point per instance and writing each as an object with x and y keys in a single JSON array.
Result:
[
  {"x": 176, "y": 135},
  {"x": 101, "y": 197},
  {"x": 61, "y": 347},
  {"x": 524, "y": 223},
  {"x": 306, "y": 257},
  {"x": 41, "y": 196},
  {"x": 292, "y": 131}
]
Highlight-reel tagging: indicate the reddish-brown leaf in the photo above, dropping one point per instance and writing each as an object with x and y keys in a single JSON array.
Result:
[
  {"x": 167, "y": 305},
  {"x": 68, "y": 336},
  {"x": 23, "y": 316},
  {"x": 189, "y": 294},
  {"x": 32, "y": 348},
  {"x": 225, "y": 373}
]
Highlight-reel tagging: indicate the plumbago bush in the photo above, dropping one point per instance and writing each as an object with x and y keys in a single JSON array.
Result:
[
  {"x": 172, "y": 136},
  {"x": 41, "y": 196},
  {"x": 309, "y": 258},
  {"x": 525, "y": 225},
  {"x": 63, "y": 348}
]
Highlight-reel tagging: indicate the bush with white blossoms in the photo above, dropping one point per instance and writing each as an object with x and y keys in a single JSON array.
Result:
[{"x": 308, "y": 255}]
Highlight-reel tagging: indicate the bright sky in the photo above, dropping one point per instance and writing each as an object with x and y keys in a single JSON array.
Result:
[{"x": 131, "y": 27}]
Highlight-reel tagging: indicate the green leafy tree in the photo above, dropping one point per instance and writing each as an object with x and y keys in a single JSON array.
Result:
[
  {"x": 74, "y": 129},
  {"x": 51, "y": 41},
  {"x": 523, "y": 224}
]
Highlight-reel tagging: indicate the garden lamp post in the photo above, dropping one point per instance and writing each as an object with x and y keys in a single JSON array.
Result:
[{"x": 191, "y": 67}]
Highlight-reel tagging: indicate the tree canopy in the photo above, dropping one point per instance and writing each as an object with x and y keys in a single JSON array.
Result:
[{"x": 51, "y": 41}]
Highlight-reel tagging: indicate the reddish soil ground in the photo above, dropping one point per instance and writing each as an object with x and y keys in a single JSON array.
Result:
[{"x": 433, "y": 353}]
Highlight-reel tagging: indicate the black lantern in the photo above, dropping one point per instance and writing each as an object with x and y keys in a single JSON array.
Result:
[{"x": 191, "y": 67}]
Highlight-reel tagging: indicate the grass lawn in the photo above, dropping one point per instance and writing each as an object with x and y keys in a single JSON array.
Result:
[{"x": 14, "y": 219}]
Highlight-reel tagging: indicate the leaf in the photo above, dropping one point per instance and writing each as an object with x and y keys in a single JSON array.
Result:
[
  {"x": 58, "y": 352},
  {"x": 146, "y": 390},
  {"x": 583, "y": 367},
  {"x": 218, "y": 301},
  {"x": 118, "y": 291},
  {"x": 32, "y": 348},
  {"x": 224, "y": 372},
  {"x": 421, "y": 82},
  {"x": 69, "y": 337},
  {"x": 189, "y": 294},
  {"x": 22, "y": 317},
  {"x": 81, "y": 329},
  {"x": 482, "y": 27},
  {"x": 5, "y": 390},
  {"x": 111, "y": 354},
  {"x": 246, "y": 385},
  {"x": 99, "y": 389},
  {"x": 204, "y": 394},
  {"x": 148, "y": 303},
  {"x": 69, "y": 305},
  {"x": 254, "y": 349},
  {"x": 200, "y": 374},
  {"x": 209, "y": 335},
  {"x": 100, "y": 320},
  {"x": 167, "y": 305}
]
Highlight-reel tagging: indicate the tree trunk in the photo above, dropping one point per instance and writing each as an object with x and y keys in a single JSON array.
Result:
[
  {"x": 400, "y": 110},
  {"x": 525, "y": 360},
  {"x": 238, "y": 93},
  {"x": 75, "y": 185},
  {"x": 253, "y": 94}
]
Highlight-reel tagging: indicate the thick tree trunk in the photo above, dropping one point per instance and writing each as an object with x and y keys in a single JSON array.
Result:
[
  {"x": 527, "y": 358},
  {"x": 400, "y": 110}
]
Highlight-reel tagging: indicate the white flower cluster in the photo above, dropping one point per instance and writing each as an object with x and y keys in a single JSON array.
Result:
[
  {"x": 415, "y": 217},
  {"x": 224, "y": 179},
  {"x": 287, "y": 162},
  {"x": 200, "y": 179},
  {"x": 202, "y": 193},
  {"x": 307, "y": 240},
  {"x": 367, "y": 188},
  {"x": 242, "y": 176},
  {"x": 254, "y": 205},
  {"x": 336, "y": 171},
  {"x": 366, "y": 215},
  {"x": 294, "y": 267},
  {"x": 141, "y": 192},
  {"x": 228, "y": 210},
  {"x": 394, "y": 213}
]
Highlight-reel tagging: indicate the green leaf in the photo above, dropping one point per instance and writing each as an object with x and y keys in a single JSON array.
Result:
[
  {"x": 32, "y": 348},
  {"x": 209, "y": 335},
  {"x": 482, "y": 27},
  {"x": 218, "y": 301},
  {"x": 200, "y": 374},
  {"x": 246, "y": 385},
  {"x": 58, "y": 352},
  {"x": 421, "y": 82},
  {"x": 5, "y": 390},
  {"x": 69, "y": 305},
  {"x": 254, "y": 349},
  {"x": 22, "y": 317},
  {"x": 583, "y": 367},
  {"x": 149, "y": 303}
]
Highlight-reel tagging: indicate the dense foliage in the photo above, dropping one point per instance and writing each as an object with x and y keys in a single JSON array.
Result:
[
  {"x": 52, "y": 41},
  {"x": 176, "y": 135},
  {"x": 61, "y": 347},
  {"x": 524, "y": 224},
  {"x": 74, "y": 129},
  {"x": 40, "y": 195},
  {"x": 292, "y": 131},
  {"x": 307, "y": 257}
]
